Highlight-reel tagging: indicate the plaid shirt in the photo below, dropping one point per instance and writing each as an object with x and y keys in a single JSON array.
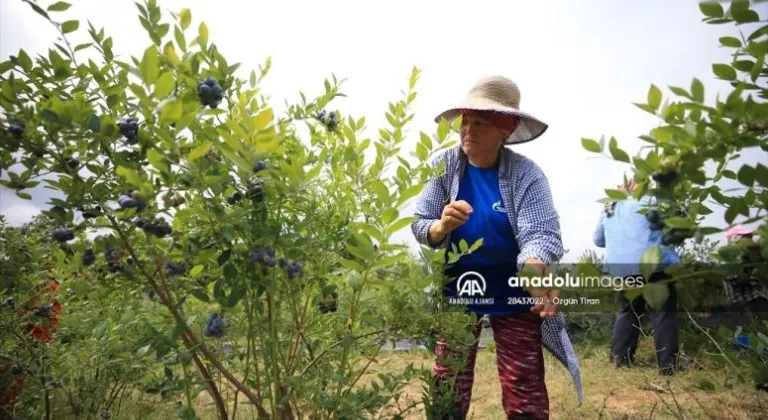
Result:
[{"x": 532, "y": 215}]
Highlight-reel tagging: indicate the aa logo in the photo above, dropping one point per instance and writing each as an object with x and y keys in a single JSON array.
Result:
[{"x": 471, "y": 283}]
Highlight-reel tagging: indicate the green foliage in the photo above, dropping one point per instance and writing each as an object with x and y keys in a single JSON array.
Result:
[
  {"x": 210, "y": 207},
  {"x": 693, "y": 135}
]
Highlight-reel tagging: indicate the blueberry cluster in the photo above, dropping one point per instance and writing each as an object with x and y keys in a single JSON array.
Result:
[
  {"x": 329, "y": 304},
  {"x": 129, "y": 128},
  {"x": 16, "y": 129},
  {"x": 131, "y": 200},
  {"x": 259, "y": 166},
  {"x": 214, "y": 326},
  {"x": 210, "y": 93},
  {"x": 158, "y": 227},
  {"x": 264, "y": 256},
  {"x": 291, "y": 268},
  {"x": 234, "y": 198},
  {"x": 331, "y": 121},
  {"x": 665, "y": 178},
  {"x": 91, "y": 213},
  {"x": 174, "y": 269},
  {"x": 654, "y": 219},
  {"x": 256, "y": 192},
  {"x": 88, "y": 257},
  {"x": 63, "y": 235},
  {"x": 113, "y": 256}
]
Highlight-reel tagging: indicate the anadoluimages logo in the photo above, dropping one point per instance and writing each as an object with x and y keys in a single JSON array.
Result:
[{"x": 471, "y": 283}]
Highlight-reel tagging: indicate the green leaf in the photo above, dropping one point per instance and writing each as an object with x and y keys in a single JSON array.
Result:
[
  {"x": 746, "y": 16},
  {"x": 158, "y": 160},
  {"x": 185, "y": 17},
  {"x": 171, "y": 112},
  {"x": 761, "y": 174},
  {"x": 654, "y": 97},
  {"x": 656, "y": 294},
  {"x": 706, "y": 385},
  {"x": 724, "y": 71},
  {"x": 697, "y": 90},
  {"x": 463, "y": 246},
  {"x": 59, "y": 6},
  {"x": 164, "y": 85},
  {"x": 130, "y": 176},
  {"x": 262, "y": 119},
  {"x": 743, "y": 65},
  {"x": 70, "y": 26},
  {"x": 149, "y": 68},
  {"x": 729, "y": 41},
  {"x": 409, "y": 193},
  {"x": 203, "y": 33},
  {"x": 649, "y": 261},
  {"x": 199, "y": 151},
  {"x": 616, "y": 194},
  {"x": 679, "y": 222},
  {"x": 94, "y": 123},
  {"x": 616, "y": 152},
  {"x": 196, "y": 270},
  {"x": 711, "y": 9},
  {"x": 591, "y": 145},
  {"x": 746, "y": 175},
  {"x": 680, "y": 92},
  {"x": 395, "y": 227},
  {"x": 389, "y": 215}
]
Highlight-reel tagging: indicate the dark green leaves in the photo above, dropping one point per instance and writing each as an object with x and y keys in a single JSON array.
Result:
[
  {"x": 729, "y": 41},
  {"x": 711, "y": 9},
  {"x": 70, "y": 26},
  {"x": 58, "y": 7},
  {"x": 746, "y": 175},
  {"x": 616, "y": 152},
  {"x": 591, "y": 145},
  {"x": 656, "y": 294},
  {"x": 650, "y": 259},
  {"x": 654, "y": 97},
  {"x": 149, "y": 68},
  {"x": 724, "y": 71},
  {"x": 697, "y": 90}
]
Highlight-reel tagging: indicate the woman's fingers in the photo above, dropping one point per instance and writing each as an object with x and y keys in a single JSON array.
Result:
[{"x": 456, "y": 214}]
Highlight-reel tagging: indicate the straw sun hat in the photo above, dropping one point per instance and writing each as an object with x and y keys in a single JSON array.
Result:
[{"x": 499, "y": 94}]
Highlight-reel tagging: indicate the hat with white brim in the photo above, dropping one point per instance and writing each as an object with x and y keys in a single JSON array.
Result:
[{"x": 499, "y": 94}]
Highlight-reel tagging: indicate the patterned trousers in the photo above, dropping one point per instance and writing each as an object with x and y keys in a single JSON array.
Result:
[{"x": 520, "y": 364}]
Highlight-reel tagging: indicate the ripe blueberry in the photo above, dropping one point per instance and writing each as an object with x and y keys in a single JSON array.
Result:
[
  {"x": 73, "y": 162},
  {"x": 259, "y": 166},
  {"x": 88, "y": 258},
  {"x": 16, "y": 129},
  {"x": 63, "y": 235},
  {"x": 665, "y": 179}
]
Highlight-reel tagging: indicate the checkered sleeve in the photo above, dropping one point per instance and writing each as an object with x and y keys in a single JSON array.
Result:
[
  {"x": 599, "y": 236},
  {"x": 429, "y": 208},
  {"x": 537, "y": 220}
]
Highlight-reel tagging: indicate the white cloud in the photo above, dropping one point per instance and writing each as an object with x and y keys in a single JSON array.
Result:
[{"x": 580, "y": 65}]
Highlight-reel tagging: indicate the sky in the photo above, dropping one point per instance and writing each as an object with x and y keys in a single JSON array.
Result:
[{"x": 579, "y": 66}]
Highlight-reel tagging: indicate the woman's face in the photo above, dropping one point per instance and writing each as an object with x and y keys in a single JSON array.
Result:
[{"x": 479, "y": 137}]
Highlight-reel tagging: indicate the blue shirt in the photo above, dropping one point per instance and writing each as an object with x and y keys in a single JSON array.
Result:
[
  {"x": 496, "y": 259},
  {"x": 626, "y": 235}
]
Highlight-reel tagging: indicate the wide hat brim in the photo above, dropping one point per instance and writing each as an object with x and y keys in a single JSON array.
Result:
[{"x": 529, "y": 127}]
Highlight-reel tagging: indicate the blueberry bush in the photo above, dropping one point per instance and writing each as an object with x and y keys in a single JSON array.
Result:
[
  {"x": 204, "y": 247},
  {"x": 689, "y": 164}
]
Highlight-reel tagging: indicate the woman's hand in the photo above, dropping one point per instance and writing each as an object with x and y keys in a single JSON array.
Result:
[
  {"x": 455, "y": 214},
  {"x": 549, "y": 307}
]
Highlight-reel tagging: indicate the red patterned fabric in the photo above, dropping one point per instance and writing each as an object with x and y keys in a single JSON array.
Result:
[
  {"x": 520, "y": 364},
  {"x": 500, "y": 120}
]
